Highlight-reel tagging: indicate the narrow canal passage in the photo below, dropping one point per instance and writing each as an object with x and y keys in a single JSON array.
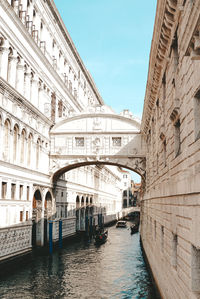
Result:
[{"x": 115, "y": 269}]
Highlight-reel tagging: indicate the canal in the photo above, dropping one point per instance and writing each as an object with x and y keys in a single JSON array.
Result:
[{"x": 115, "y": 269}]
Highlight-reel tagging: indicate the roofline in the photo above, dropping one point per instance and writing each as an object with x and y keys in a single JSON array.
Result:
[{"x": 71, "y": 45}]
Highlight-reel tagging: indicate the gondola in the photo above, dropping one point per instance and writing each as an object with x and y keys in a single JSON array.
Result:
[
  {"x": 134, "y": 228},
  {"x": 101, "y": 236}
]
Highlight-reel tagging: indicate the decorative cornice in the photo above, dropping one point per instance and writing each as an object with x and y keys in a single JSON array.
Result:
[
  {"x": 18, "y": 98},
  {"x": 16, "y": 20},
  {"x": 164, "y": 28}
]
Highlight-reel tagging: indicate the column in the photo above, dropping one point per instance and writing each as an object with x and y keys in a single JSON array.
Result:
[
  {"x": 1, "y": 139},
  {"x": 8, "y": 194},
  {"x": 79, "y": 219},
  {"x": 4, "y": 51},
  {"x": 17, "y": 191},
  {"x": 41, "y": 100},
  {"x": 53, "y": 106},
  {"x": 27, "y": 85},
  {"x": 12, "y": 68},
  {"x": 16, "y": 6},
  {"x": 20, "y": 76},
  {"x": 35, "y": 91}
]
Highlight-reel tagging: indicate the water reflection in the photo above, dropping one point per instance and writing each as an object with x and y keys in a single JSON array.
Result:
[{"x": 113, "y": 270}]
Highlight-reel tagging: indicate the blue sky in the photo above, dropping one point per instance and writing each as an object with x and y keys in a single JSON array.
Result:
[{"x": 113, "y": 38}]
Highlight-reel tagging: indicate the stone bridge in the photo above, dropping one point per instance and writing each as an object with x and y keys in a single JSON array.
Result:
[{"x": 97, "y": 136}]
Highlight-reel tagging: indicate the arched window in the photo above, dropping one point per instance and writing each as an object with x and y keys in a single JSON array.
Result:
[
  {"x": 23, "y": 138},
  {"x": 15, "y": 142},
  {"x": 7, "y": 139},
  {"x": 38, "y": 152},
  {"x": 29, "y": 149}
]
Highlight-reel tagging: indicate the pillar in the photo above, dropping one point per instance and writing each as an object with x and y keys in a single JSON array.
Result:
[
  {"x": 27, "y": 81},
  {"x": 20, "y": 76},
  {"x": 4, "y": 51},
  {"x": 35, "y": 90},
  {"x": 12, "y": 68},
  {"x": 16, "y": 6}
]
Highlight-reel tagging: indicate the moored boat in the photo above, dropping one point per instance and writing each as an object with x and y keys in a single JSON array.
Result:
[
  {"x": 134, "y": 228},
  {"x": 101, "y": 236},
  {"x": 121, "y": 223}
]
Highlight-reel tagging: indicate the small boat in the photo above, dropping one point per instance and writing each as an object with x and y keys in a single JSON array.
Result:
[
  {"x": 134, "y": 228},
  {"x": 121, "y": 223},
  {"x": 101, "y": 236}
]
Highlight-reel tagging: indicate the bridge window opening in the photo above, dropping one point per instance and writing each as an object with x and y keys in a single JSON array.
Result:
[
  {"x": 26, "y": 215},
  {"x": 79, "y": 141},
  {"x": 4, "y": 190},
  {"x": 116, "y": 141},
  {"x": 195, "y": 269},
  {"x": 197, "y": 115},
  {"x": 174, "y": 250}
]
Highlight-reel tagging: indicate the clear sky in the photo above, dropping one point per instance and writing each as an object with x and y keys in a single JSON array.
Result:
[{"x": 113, "y": 38}]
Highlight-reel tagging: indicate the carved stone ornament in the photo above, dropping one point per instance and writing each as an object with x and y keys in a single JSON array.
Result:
[{"x": 97, "y": 125}]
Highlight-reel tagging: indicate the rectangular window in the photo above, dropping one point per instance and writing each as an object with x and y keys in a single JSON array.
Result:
[
  {"x": 13, "y": 190},
  {"x": 79, "y": 141},
  {"x": 154, "y": 229},
  {"x": 197, "y": 115},
  {"x": 26, "y": 215},
  {"x": 195, "y": 269},
  {"x": 20, "y": 191},
  {"x": 27, "y": 194},
  {"x": 164, "y": 153},
  {"x": 177, "y": 141},
  {"x": 21, "y": 216},
  {"x": 162, "y": 237},
  {"x": 174, "y": 250},
  {"x": 116, "y": 141},
  {"x": 62, "y": 194},
  {"x": 4, "y": 190}
]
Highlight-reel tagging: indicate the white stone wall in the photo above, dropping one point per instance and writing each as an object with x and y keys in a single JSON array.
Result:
[
  {"x": 171, "y": 205},
  {"x": 42, "y": 81}
]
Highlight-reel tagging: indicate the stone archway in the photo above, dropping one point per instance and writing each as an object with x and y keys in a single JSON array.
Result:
[{"x": 47, "y": 215}]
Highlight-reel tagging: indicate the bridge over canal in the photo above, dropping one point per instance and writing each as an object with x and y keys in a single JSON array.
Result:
[{"x": 97, "y": 136}]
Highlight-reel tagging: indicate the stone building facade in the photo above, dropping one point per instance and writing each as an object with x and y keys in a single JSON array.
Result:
[
  {"x": 42, "y": 81},
  {"x": 170, "y": 225}
]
